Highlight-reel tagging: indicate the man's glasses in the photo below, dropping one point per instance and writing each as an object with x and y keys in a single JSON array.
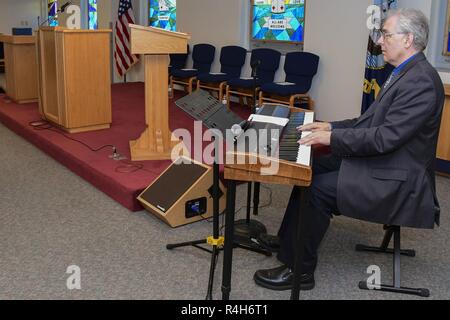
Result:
[{"x": 386, "y": 35}]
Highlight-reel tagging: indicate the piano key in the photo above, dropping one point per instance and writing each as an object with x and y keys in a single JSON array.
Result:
[
  {"x": 304, "y": 152},
  {"x": 309, "y": 118}
]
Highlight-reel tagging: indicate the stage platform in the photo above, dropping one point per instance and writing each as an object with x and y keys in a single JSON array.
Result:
[{"x": 117, "y": 179}]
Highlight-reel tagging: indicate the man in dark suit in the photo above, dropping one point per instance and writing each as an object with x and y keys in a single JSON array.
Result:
[{"x": 381, "y": 164}]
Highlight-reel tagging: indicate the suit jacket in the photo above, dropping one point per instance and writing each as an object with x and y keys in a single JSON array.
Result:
[{"x": 387, "y": 171}]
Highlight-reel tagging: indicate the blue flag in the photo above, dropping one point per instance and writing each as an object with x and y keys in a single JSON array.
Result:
[{"x": 377, "y": 70}]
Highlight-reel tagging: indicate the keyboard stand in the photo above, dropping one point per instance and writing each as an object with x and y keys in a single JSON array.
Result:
[{"x": 302, "y": 230}]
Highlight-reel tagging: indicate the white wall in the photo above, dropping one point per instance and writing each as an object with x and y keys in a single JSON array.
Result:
[
  {"x": 423, "y": 5},
  {"x": 221, "y": 28},
  {"x": 431, "y": 9},
  {"x": 104, "y": 9},
  {"x": 227, "y": 26},
  {"x": 337, "y": 32},
  {"x": 18, "y": 13}
]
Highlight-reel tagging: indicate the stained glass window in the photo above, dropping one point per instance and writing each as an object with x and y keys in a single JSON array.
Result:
[
  {"x": 92, "y": 12},
  {"x": 52, "y": 12},
  {"x": 163, "y": 14},
  {"x": 279, "y": 20}
]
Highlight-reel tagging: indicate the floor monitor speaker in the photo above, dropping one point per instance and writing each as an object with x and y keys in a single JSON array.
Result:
[{"x": 182, "y": 193}]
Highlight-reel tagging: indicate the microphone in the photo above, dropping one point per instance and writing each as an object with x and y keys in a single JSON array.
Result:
[
  {"x": 64, "y": 6},
  {"x": 245, "y": 124},
  {"x": 254, "y": 65},
  {"x": 238, "y": 129}
]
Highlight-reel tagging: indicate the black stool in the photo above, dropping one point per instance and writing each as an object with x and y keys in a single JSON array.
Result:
[{"x": 395, "y": 287}]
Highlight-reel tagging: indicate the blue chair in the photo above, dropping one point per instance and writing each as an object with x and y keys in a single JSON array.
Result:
[
  {"x": 232, "y": 59},
  {"x": 178, "y": 61},
  {"x": 22, "y": 32},
  {"x": 266, "y": 62},
  {"x": 203, "y": 57},
  {"x": 300, "y": 68}
]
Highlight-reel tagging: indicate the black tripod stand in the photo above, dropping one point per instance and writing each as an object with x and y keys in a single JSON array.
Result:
[{"x": 215, "y": 240}]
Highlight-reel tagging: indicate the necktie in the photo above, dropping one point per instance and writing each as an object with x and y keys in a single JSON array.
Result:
[{"x": 389, "y": 80}]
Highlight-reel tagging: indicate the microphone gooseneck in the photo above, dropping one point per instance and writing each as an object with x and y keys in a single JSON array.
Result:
[{"x": 64, "y": 6}]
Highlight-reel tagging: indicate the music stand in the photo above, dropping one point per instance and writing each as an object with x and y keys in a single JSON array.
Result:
[{"x": 203, "y": 107}]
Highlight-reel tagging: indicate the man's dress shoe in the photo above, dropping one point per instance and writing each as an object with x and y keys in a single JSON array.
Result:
[
  {"x": 269, "y": 242},
  {"x": 282, "y": 278}
]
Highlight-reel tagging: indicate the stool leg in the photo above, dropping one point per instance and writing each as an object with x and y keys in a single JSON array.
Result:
[
  {"x": 396, "y": 285},
  {"x": 396, "y": 261},
  {"x": 383, "y": 248}
]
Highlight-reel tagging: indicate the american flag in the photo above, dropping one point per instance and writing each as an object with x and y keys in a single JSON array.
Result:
[{"x": 122, "y": 52}]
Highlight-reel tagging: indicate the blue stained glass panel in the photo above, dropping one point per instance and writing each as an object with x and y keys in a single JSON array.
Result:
[
  {"x": 163, "y": 14},
  {"x": 93, "y": 14},
  {"x": 52, "y": 6},
  {"x": 281, "y": 20}
]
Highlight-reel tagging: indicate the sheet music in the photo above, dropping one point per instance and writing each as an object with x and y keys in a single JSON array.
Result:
[{"x": 268, "y": 119}]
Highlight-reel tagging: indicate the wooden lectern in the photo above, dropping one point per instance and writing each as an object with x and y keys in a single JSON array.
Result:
[
  {"x": 75, "y": 78},
  {"x": 20, "y": 68},
  {"x": 155, "y": 44}
]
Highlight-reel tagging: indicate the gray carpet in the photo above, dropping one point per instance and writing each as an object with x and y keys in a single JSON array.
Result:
[{"x": 51, "y": 219}]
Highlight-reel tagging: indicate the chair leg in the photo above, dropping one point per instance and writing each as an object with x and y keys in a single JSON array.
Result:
[
  {"x": 221, "y": 86},
  {"x": 291, "y": 101},
  {"x": 397, "y": 252},
  {"x": 197, "y": 85},
  {"x": 227, "y": 94}
]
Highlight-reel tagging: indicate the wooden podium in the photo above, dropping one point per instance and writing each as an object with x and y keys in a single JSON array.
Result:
[
  {"x": 155, "y": 44},
  {"x": 20, "y": 68},
  {"x": 75, "y": 78}
]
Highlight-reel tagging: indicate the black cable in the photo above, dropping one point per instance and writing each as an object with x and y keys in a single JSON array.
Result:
[
  {"x": 134, "y": 167},
  {"x": 45, "y": 125},
  {"x": 48, "y": 126}
]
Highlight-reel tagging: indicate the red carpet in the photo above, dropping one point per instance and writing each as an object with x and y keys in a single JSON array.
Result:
[{"x": 128, "y": 108}]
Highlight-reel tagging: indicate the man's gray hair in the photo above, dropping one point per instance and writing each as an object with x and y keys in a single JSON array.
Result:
[{"x": 415, "y": 22}]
